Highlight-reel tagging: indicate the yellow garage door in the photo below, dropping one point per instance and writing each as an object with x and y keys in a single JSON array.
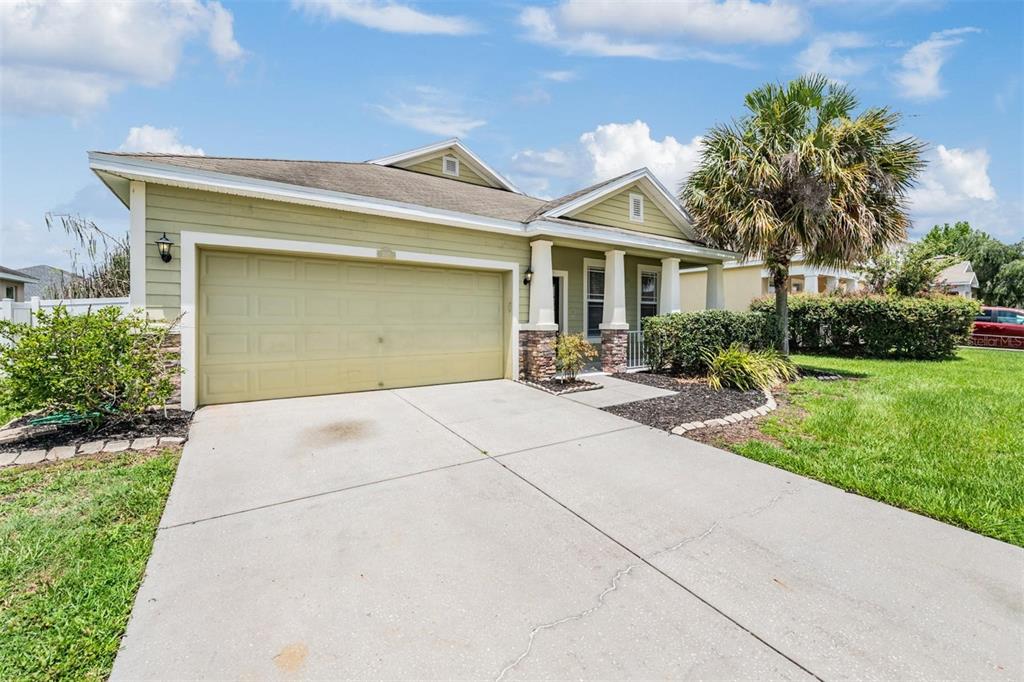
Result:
[{"x": 274, "y": 326}]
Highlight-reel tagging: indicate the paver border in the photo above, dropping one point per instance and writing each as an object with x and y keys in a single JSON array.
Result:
[
  {"x": 61, "y": 452},
  {"x": 769, "y": 406}
]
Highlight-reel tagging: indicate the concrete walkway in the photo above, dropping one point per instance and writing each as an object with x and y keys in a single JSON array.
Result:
[
  {"x": 615, "y": 392},
  {"x": 492, "y": 531}
]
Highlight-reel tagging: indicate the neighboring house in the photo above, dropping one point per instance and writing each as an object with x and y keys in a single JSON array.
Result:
[
  {"x": 959, "y": 279},
  {"x": 13, "y": 283},
  {"x": 747, "y": 280},
  {"x": 304, "y": 277},
  {"x": 47, "y": 279}
]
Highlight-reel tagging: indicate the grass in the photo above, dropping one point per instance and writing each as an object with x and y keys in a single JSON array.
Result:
[
  {"x": 74, "y": 540},
  {"x": 945, "y": 439}
]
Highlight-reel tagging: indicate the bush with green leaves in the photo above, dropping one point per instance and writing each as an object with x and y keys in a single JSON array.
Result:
[
  {"x": 572, "y": 351},
  {"x": 741, "y": 368},
  {"x": 678, "y": 341},
  {"x": 100, "y": 366},
  {"x": 923, "y": 328}
]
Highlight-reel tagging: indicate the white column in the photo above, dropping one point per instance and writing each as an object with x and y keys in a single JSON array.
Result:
[
  {"x": 668, "y": 301},
  {"x": 811, "y": 284},
  {"x": 716, "y": 287},
  {"x": 137, "y": 244},
  {"x": 614, "y": 291},
  {"x": 831, "y": 283},
  {"x": 542, "y": 291}
]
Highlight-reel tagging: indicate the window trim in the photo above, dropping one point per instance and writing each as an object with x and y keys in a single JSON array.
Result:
[
  {"x": 588, "y": 264},
  {"x": 444, "y": 165},
  {"x": 563, "y": 309},
  {"x": 634, "y": 196},
  {"x": 641, "y": 270}
]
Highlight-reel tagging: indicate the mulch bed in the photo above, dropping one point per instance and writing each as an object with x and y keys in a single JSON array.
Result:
[
  {"x": 175, "y": 423},
  {"x": 559, "y": 387},
  {"x": 693, "y": 401}
]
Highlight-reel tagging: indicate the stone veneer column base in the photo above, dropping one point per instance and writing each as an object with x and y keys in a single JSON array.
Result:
[
  {"x": 537, "y": 354},
  {"x": 613, "y": 350}
]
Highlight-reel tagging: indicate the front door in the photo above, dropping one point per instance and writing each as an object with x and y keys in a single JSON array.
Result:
[{"x": 556, "y": 286}]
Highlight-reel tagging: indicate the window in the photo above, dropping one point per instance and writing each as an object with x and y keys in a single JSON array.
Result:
[
  {"x": 450, "y": 166},
  {"x": 9, "y": 292},
  {"x": 986, "y": 315},
  {"x": 636, "y": 208},
  {"x": 1009, "y": 317},
  {"x": 595, "y": 300},
  {"x": 648, "y": 294}
]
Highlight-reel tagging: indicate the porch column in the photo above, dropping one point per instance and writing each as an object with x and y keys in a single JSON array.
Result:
[
  {"x": 537, "y": 337},
  {"x": 137, "y": 244},
  {"x": 716, "y": 287},
  {"x": 668, "y": 301},
  {"x": 831, "y": 283},
  {"x": 542, "y": 291},
  {"x": 614, "y": 328},
  {"x": 811, "y": 284}
]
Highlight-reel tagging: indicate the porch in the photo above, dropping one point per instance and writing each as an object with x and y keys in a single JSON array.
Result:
[{"x": 604, "y": 295}]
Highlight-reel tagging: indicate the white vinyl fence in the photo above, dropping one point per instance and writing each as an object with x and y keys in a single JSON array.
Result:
[{"x": 25, "y": 311}]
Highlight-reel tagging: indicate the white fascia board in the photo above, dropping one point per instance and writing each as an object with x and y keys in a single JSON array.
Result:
[
  {"x": 478, "y": 164},
  {"x": 596, "y": 234},
  {"x": 150, "y": 171},
  {"x": 660, "y": 195}
]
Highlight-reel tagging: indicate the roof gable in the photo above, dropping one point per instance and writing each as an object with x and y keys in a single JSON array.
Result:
[
  {"x": 429, "y": 160},
  {"x": 600, "y": 203}
]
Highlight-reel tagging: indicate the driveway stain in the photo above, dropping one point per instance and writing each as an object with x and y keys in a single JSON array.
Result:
[
  {"x": 336, "y": 432},
  {"x": 291, "y": 658}
]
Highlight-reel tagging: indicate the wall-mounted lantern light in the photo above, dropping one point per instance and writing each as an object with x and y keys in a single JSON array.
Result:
[
  {"x": 529, "y": 275},
  {"x": 163, "y": 245}
]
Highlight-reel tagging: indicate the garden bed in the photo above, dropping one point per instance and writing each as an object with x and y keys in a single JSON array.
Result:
[
  {"x": 560, "y": 387},
  {"x": 20, "y": 435},
  {"x": 693, "y": 401}
]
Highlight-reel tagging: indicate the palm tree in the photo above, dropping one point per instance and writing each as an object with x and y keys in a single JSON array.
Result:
[{"x": 798, "y": 172}]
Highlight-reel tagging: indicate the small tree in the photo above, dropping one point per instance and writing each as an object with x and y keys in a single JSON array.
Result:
[
  {"x": 99, "y": 366},
  {"x": 572, "y": 351},
  {"x": 1008, "y": 286},
  {"x": 911, "y": 271}
]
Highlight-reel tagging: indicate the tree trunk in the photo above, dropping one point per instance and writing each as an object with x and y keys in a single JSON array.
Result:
[{"x": 780, "y": 280}]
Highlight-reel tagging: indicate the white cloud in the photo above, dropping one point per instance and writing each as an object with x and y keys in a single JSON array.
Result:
[
  {"x": 385, "y": 15},
  {"x": 605, "y": 152},
  {"x": 559, "y": 76},
  {"x": 918, "y": 76},
  {"x": 147, "y": 138},
  {"x": 434, "y": 111},
  {"x": 720, "y": 21},
  {"x": 68, "y": 57},
  {"x": 822, "y": 56}
]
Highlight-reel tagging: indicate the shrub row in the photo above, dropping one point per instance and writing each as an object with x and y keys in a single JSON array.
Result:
[
  {"x": 876, "y": 326},
  {"x": 678, "y": 341}
]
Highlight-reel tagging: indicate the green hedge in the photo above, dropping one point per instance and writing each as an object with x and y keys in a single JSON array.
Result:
[
  {"x": 876, "y": 326},
  {"x": 678, "y": 341}
]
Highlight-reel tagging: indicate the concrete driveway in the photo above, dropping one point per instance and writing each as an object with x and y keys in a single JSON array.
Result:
[{"x": 491, "y": 531}]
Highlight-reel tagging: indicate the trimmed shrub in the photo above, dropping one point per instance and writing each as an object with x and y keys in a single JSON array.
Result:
[
  {"x": 877, "y": 326},
  {"x": 97, "y": 367},
  {"x": 678, "y": 341},
  {"x": 739, "y": 367},
  {"x": 571, "y": 353}
]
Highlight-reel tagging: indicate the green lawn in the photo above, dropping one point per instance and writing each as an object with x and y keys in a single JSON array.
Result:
[
  {"x": 945, "y": 439},
  {"x": 74, "y": 540}
]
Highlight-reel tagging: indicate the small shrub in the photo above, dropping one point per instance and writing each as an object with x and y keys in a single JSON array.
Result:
[
  {"x": 923, "y": 328},
  {"x": 98, "y": 366},
  {"x": 739, "y": 367},
  {"x": 677, "y": 341},
  {"x": 572, "y": 351}
]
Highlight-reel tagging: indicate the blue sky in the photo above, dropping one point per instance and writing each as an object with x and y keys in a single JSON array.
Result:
[{"x": 553, "y": 95}]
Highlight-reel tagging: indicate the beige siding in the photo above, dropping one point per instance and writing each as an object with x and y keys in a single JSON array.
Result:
[
  {"x": 742, "y": 285},
  {"x": 173, "y": 210},
  {"x": 693, "y": 290},
  {"x": 434, "y": 167},
  {"x": 572, "y": 261},
  {"x": 614, "y": 211}
]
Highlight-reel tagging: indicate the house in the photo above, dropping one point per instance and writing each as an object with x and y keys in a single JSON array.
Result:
[
  {"x": 13, "y": 282},
  {"x": 297, "y": 278},
  {"x": 746, "y": 280},
  {"x": 958, "y": 279},
  {"x": 48, "y": 280}
]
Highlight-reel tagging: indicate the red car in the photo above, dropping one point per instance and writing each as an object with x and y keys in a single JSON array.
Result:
[{"x": 999, "y": 328}]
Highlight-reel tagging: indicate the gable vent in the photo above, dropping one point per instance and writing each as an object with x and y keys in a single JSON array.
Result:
[
  {"x": 450, "y": 166},
  {"x": 636, "y": 207}
]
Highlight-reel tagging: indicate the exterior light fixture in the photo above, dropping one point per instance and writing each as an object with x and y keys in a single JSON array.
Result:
[
  {"x": 529, "y": 275},
  {"x": 163, "y": 245}
]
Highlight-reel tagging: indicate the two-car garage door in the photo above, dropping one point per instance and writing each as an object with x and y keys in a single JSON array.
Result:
[{"x": 273, "y": 326}]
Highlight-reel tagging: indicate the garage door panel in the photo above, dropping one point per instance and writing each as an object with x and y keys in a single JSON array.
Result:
[{"x": 280, "y": 326}]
